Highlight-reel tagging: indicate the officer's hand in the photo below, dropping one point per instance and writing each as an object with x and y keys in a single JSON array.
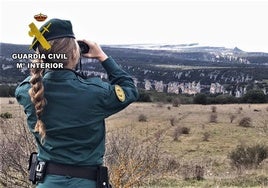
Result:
[{"x": 95, "y": 51}]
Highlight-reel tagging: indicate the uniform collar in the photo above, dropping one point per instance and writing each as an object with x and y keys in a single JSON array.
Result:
[{"x": 60, "y": 74}]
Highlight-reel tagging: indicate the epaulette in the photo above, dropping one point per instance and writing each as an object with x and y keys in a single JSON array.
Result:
[
  {"x": 25, "y": 81},
  {"x": 96, "y": 81}
]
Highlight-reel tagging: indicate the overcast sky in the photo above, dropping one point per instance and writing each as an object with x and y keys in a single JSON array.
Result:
[{"x": 216, "y": 23}]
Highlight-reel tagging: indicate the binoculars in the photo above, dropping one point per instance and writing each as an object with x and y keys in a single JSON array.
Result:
[{"x": 84, "y": 48}]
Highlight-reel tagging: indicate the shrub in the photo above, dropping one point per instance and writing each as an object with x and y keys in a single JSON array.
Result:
[
  {"x": 232, "y": 117},
  {"x": 239, "y": 110},
  {"x": 213, "y": 118},
  {"x": 214, "y": 109},
  {"x": 225, "y": 99},
  {"x": 199, "y": 172},
  {"x": 16, "y": 144},
  {"x": 245, "y": 122},
  {"x": 172, "y": 121},
  {"x": 7, "y": 90},
  {"x": 185, "y": 130},
  {"x": 206, "y": 136},
  {"x": 159, "y": 105},
  {"x": 191, "y": 172},
  {"x": 130, "y": 160},
  {"x": 264, "y": 127},
  {"x": 254, "y": 96},
  {"x": 171, "y": 164},
  {"x": 11, "y": 102},
  {"x": 248, "y": 156},
  {"x": 176, "y": 102},
  {"x": 142, "y": 118},
  {"x": 200, "y": 99},
  {"x": 6, "y": 115},
  {"x": 145, "y": 97},
  {"x": 169, "y": 99},
  {"x": 159, "y": 135},
  {"x": 177, "y": 133}
]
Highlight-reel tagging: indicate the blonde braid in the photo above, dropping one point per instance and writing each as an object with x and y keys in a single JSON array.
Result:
[
  {"x": 36, "y": 93},
  {"x": 68, "y": 46}
]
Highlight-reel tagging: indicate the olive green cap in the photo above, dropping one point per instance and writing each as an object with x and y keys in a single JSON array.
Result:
[{"x": 54, "y": 29}]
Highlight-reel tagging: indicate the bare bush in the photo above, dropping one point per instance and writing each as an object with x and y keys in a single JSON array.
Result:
[
  {"x": 172, "y": 121},
  {"x": 245, "y": 122},
  {"x": 142, "y": 118},
  {"x": 6, "y": 115},
  {"x": 159, "y": 135},
  {"x": 171, "y": 165},
  {"x": 190, "y": 172},
  {"x": 248, "y": 156},
  {"x": 176, "y": 134},
  {"x": 232, "y": 117},
  {"x": 264, "y": 126},
  {"x": 185, "y": 130},
  {"x": 239, "y": 110},
  {"x": 159, "y": 105},
  {"x": 213, "y": 118},
  {"x": 213, "y": 109},
  {"x": 176, "y": 102},
  {"x": 16, "y": 144},
  {"x": 130, "y": 160},
  {"x": 206, "y": 136},
  {"x": 11, "y": 101},
  {"x": 178, "y": 131},
  {"x": 199, "y": 172}
]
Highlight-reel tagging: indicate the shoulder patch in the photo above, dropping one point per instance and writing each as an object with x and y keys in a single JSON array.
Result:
[{"x": 120, "y": 93}]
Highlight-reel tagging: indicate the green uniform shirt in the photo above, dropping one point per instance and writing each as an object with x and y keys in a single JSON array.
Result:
[{"x": 75, "y": 112}]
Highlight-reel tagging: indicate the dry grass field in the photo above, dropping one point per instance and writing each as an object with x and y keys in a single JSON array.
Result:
[
  {"x": 208, "y": 144},
  {"x": 194, "y": 141}
]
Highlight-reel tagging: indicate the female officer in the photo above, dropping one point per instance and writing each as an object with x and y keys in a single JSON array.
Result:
[{"x": 66, "y": 112}]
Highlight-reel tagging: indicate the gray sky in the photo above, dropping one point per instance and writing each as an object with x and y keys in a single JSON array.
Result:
[{"x": 216, "y": 23}]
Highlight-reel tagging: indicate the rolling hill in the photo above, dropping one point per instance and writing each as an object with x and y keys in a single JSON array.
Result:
[{"x": 184, "y": 68}]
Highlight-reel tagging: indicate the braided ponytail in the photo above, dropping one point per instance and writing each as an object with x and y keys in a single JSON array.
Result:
[
  {"x": 36, "y": 93},
  {"x": 62, "y": 45}
]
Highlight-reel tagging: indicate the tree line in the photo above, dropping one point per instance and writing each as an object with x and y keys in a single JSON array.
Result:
[{"x": 252, "y": 96}]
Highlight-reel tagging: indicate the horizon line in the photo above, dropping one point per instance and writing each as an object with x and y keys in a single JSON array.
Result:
[{"x": 192, "y": 44}]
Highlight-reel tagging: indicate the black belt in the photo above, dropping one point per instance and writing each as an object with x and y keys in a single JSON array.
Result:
[{"x": 72, "y": 171}]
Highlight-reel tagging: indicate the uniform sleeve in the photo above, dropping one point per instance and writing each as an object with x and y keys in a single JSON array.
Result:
[
  {"x": 21, "y": 92},
  {"x": 23, "y": 98},
  {"x": 119, "y": 80}
]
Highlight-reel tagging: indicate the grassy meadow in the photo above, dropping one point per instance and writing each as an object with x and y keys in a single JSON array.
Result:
[
  {"x": 207, "y": 144},
  {"x": 194, "y": 141}
]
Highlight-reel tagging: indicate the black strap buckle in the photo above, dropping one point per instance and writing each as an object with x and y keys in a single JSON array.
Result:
[{"x": 40, "y": 171}]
